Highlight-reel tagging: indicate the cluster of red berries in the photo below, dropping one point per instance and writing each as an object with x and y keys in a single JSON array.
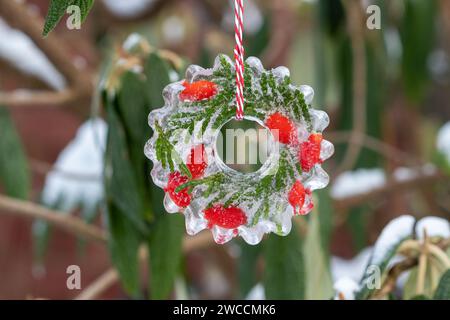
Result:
[
  {"x": 198, "y": 90},
  {"x": 196, "y": 163},
  {"x": 285, "y": 131}
]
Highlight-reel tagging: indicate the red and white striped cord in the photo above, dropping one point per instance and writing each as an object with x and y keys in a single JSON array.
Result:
[{"x": 239, "y": 57}]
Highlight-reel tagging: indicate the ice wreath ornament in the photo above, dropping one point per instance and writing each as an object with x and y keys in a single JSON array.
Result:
[{"x": 200, "y": 185}]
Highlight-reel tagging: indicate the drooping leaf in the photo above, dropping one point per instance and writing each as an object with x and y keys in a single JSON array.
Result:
[
  {"x": 284, "y": 274},
  {"x": 417, "y": 36},
  {"x": 124, "y": 243},
  {"x": 324, "y": 210},
  {"x": 58, "y": 9},
  {"x": 14, "y": 170},
  {"x": 247, "y": 267},
  {"x": 443, "y": 289},
  {"x": 157, "y": 73},
  {"x": 165, "y": 253},
  {"x": 410, "y": 288},
  {"x": 319, "y": 284},
  {"x": 120, "y": 183}
]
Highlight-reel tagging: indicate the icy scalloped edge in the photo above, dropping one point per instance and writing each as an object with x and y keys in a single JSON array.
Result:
[{"x": 279, "y": 223}]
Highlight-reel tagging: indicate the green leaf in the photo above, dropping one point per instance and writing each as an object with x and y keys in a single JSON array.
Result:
[
  {"x": 319, "y": 284},
  {"x": 157, "y": 73},
  {"x": 284, "y": 274},
  {"x": 14, "y": 171},
  {"x": 420, "y": 297},
  {"x": 165, "y": 246},
  {"x": 58, "y": 9},
  {"x": 324, "y": 210},
  {"x": 133, "y": 107},
  {"x": 443, "y": 290},
  {"x": 120, "y": 183},
  {"x": 124, "y": 243},
  {"x": 247, "y": 267},
  {"x": 410, "y": 288},
  {"x": 417, "y": 36}
]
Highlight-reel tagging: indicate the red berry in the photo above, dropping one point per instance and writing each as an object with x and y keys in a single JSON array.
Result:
[
  {"x": 197, "y": 161},
  {"x": 228, "y": 218},
  {"x": 199, "y": 90},
  {"x": 287, "y": 133},
  {"x": 296, "y": 196},
  {"x": 309, "y": 153},
  {"x": 182, "y": 198}
]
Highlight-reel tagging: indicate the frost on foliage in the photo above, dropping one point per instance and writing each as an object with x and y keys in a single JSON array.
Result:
[
  {"x": 18, "y": 49},
  {"x": 443, "y": 141},
  {"x": 128, "y": 8},
  {"x": 434, "y": 227},
  {"x": 345, "y": 289},
  {"x": 261, "y": 196},
  {"x": 76, "y": 179},
  {"x": 360, "y": 181}
]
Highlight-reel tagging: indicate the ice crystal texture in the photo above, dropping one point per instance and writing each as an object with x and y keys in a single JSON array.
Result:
[{"x": 261, "y": 195}]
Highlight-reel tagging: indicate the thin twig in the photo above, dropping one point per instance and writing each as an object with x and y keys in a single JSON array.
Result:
[
  {"x": 376, "y": 145},
  {"x": 111, "y": 276},
  {"x": 66, "y": 222},
  {"x": 356, "y": 31},
  {"x": 99, "y": 285},
  {"x": 26, "y": 98},
  {"x": 398, "y": 185}
]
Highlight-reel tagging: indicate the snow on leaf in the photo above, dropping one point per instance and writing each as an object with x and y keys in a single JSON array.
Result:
[
  {"x": 345, "y": 289},
  {"x": 443, "y": 141},
  {"x": 84, "y": 157},
  {"x": 351, "y": 268},
  {"x": 19, "y": 50},
  {"x": 360, "y": 181},
  {"x": 385, "y": 248},
  {"x": 256, "y": 293},
  {"x": 434, "y": 227},
  {"x": 395, "y": 231}
]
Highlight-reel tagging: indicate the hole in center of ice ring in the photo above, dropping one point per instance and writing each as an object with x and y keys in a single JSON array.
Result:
[{"x": 245, "y": 147}]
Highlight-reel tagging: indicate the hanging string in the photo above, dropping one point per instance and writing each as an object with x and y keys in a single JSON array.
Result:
[{"x": 239, "y": 57}]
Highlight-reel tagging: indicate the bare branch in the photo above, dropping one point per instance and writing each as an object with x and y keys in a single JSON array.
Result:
[
  {"x": 66, "y": 222},
  {"x": 111, "y": 276},
  {"x": 417, "y": 182}
]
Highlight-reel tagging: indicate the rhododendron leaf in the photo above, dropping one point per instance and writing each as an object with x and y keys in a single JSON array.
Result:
[
  {"x": 443, "y": 289},
  {"x": 123, "y": 245},
  {"x": 284, "y": 274},
  {"x": 165, "y": 253},
  {"x": 318, "y": 284}
]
